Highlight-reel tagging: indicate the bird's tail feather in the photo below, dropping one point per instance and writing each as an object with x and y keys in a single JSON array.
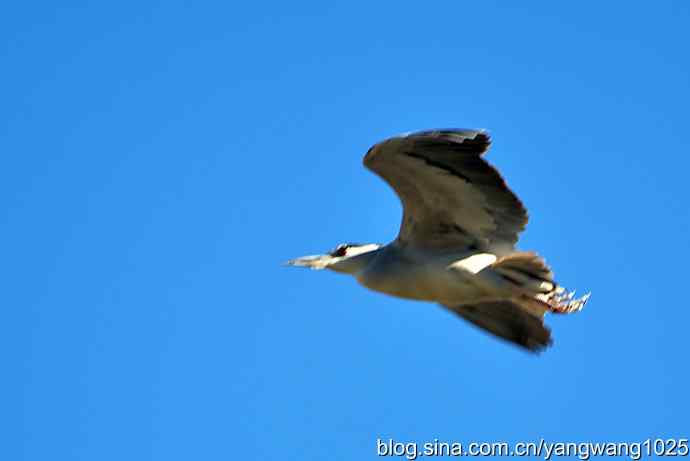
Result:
[{"x": 532, "y": 276}]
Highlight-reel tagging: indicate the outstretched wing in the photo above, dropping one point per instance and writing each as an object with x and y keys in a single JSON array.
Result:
[
  {"x": 451, "y": 197},
  {"x": 508, "y": 321}
]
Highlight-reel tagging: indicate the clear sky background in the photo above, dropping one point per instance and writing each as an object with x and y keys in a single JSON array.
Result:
[{"x": 160, "y": 160}]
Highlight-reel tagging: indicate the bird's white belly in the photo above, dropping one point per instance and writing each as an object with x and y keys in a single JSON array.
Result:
[{"x": 437, "y": 283}]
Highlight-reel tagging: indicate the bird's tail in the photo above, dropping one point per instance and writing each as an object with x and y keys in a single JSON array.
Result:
[{"x": 529, "y": 273}]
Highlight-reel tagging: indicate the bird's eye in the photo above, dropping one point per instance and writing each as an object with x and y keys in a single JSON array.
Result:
[{"x": 340, "y": 251}]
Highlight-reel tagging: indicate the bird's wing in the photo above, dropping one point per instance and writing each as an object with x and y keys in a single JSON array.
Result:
[
  {"x": 509, "y": 321},
  {"x": 451, "y": 197}
]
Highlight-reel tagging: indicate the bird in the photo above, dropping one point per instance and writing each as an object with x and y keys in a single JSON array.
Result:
[{"x": 456, "y": 245}]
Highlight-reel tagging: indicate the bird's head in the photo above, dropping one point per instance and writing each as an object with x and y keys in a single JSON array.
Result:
[{"x": 346, "y": 257}]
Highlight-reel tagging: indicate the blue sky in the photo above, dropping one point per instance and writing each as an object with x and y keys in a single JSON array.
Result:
[{"x": 160, "y": 160}]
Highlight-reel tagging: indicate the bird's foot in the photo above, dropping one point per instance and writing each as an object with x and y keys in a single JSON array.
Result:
[{"x": 561, "y": 302}]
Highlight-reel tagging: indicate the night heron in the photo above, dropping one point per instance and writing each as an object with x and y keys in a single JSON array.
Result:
[{"x": 456, "y": 245}]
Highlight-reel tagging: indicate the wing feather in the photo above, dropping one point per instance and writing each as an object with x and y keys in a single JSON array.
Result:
[
  {"x": 451, "y": 196},
  {"x": 509, "y": 321}
]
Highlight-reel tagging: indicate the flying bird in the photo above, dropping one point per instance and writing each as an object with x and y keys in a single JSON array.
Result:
[{"x": 456, "y": 244}]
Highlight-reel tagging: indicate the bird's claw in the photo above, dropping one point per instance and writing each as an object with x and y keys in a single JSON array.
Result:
[{"x": 563, "y": 303}]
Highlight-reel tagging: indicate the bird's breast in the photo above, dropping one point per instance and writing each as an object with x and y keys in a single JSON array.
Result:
[
  {"x": 403, "y": 284},
  {"x": 418, "y": 281}
]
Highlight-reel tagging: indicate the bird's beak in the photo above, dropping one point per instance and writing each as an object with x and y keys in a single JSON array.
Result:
[{"x": 315, "y": 262}]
